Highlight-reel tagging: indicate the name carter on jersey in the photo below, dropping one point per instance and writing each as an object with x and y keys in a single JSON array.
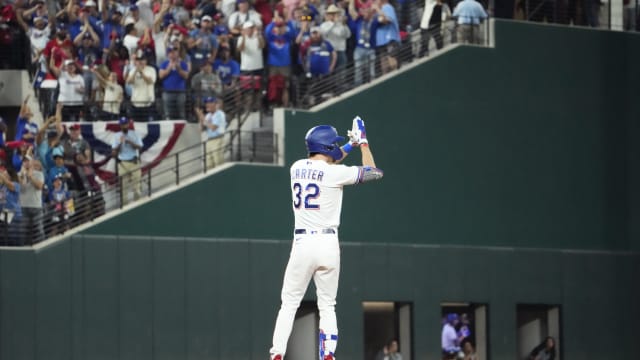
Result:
[{"x": 308, "y": 174}]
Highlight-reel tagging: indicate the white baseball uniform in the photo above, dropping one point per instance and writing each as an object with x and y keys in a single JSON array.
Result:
[{"x": 317, "y": 202}]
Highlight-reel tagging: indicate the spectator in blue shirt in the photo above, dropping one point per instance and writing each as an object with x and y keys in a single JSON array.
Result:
[
  {"x": 387, "y": 35},
  {"x": 227, "y": 69},
  {"x": 202, "y": 43},
  {"x": 279, "y": 35},
  {"x": 317, "y": 54},
  {"x": 174, "y": 73},
  {"x": 319, "y": 59},
  {"x": 52, "y": 141},
  {"x": 89, "y": 56},
  {"x": 469, "y": 14},
  {"x": 26, "y": 129},
  {"x": 58, "y": 200},
  {"x": 10, "y": 210},
  {"x": 111, "y": 27},
  {"x": 363, "y": 26},
  {"x": 58, "y": 169},
  {"x": 220, "y": 27},
  {"x": 77, "y": 24}
]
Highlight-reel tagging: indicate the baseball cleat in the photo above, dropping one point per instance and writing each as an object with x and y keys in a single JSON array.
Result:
[
  {"x": 329, "y": 357},
  {"x": 277, "y": 357}
]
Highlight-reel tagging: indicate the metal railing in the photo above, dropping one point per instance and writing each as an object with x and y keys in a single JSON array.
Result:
[
  {"x": 238, "y": 101},
  {"x": 309, "y": 90},
  {"x": 85, "y": 205}
]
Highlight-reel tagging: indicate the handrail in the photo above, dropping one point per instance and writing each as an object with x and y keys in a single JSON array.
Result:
[{"x": 113, "y": 194}]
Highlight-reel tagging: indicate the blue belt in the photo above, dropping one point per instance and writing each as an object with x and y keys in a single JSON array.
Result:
[{"x": 321, "y": 231}]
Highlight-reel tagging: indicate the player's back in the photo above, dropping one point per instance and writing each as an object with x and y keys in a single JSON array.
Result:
[{"x": 316, "y": 189}]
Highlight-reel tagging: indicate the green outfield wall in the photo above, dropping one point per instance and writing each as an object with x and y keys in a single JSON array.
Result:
[
  {"x": 103, "y": 297},
  {"x": 511, "y": 176}
]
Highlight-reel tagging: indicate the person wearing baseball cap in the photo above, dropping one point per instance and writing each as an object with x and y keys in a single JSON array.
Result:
[
  {"x": 62, "y": 204},
  {"x": 204, "y": 43},
  {"x": 142, "y": 79},
  {"x": 214, "y": 123},
  {"x": 71, "y": 89},
  {"x": 336, "y": 32},
  {"x": 112, "y": 29},
  {"x": 250, "y": 46},
  {"x": 126, "y": 146},
  {"x": 319, "y": 59},
  {"x": 243, "y": 14},
  {"x": 174, "y": 73},
  {"x": 38, "y": 33},
  {"x": 58, "y": 169},
  {"x": 206, "y": 83},
  {"x": 450, "y": 340},
  {"x": 317, "y": 183},
  {"x": 74, "y": 144},
  {"x": 135, "y": 18}
]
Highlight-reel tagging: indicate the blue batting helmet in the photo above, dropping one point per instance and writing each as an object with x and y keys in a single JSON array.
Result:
[{"x": 323, "y": 139}]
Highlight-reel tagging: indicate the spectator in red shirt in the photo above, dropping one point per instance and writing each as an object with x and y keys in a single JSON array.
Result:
[{"x": 58, "y": 49}]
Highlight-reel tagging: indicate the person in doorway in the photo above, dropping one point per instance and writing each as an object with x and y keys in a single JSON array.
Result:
[
  {"x": 389, "y": 351},
  {"x": 545, "y": 351}
]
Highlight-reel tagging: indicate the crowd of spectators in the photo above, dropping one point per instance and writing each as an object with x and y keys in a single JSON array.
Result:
[
  {"x": 155, "y": 59},
  {"x": 147, "y": 60},
  {"x": 47, "y": 181}
]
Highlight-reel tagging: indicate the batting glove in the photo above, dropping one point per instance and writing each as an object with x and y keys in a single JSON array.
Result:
[
  {"x": 353, "y": 138},
  {"x": 358, "y": 131}
]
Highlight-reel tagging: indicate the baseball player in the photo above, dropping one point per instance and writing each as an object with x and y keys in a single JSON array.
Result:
[{"x": 316, "y": 186}]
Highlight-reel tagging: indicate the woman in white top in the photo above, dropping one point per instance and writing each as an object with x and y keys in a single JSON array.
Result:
[
  {"x": 131, "y": 39},
  {"x": 112, "y": 95},
  {"x": 71, "y": 85}
]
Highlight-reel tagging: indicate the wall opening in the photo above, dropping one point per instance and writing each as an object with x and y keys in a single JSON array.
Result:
[
  {"x": 535, "y": 323},
  {"x": 303, "y": 342},
  {"x": 464, "y": 330},
  {"x": 385, "y": 322}
]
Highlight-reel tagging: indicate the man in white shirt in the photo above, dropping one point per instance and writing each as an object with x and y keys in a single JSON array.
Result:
[
  {"x": 450, "y": 341},
  {"x": 244, "y": 14},
  {"x": 142, "y": 80},
  {"x": 250, "y": 46},
  {"x": 125, "y": 147},
  {"x": 336, "y": 32},
  {"x": 215, "y": 125},
  {"x": 38, "y": 35}
]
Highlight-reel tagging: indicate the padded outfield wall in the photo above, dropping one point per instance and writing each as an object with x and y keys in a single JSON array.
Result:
[{"x": 511, "y": 176}]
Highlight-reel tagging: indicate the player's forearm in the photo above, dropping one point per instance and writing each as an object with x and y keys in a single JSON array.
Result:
[{"x": 367, "y": 156}]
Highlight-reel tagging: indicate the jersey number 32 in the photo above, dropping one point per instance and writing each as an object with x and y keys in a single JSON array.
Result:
[{"x": 310, "y": 193}]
